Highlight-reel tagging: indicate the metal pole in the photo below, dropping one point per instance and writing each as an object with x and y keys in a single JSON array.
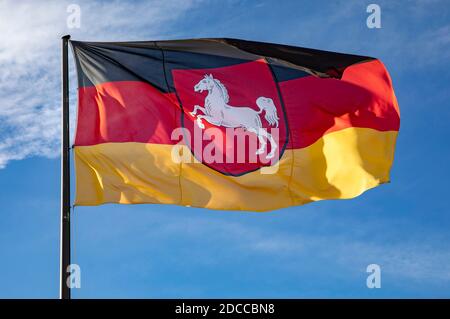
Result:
[{"x": 65, "y": 173}]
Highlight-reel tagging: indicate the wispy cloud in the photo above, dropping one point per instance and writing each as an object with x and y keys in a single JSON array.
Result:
[
  {"x": 409, "y": 260},
  {"x": 348, "y": 244},
  {"x": 30, "y": 34},
  {"x": 414, "y": 261}
]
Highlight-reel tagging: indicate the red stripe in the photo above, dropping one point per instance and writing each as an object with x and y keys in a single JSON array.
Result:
[
  {"x": 125, "y": 111},
  {"x": 362, "y": 98},
  {"x": 131, "y": 111}
]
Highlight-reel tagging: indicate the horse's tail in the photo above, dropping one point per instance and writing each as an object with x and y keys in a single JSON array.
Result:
[{"x": 266, "y": 104}]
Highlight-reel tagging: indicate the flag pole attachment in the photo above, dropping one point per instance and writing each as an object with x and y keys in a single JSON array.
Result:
[{"x": 65, "y": 173}]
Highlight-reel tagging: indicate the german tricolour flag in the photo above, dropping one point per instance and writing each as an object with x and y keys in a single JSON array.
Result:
[{"x": 229, "y": 124}]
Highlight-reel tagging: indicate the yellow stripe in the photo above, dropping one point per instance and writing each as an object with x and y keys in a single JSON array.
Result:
[{"x": 341, "y": 164}]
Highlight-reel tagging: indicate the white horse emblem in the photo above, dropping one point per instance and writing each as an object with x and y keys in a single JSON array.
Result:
[{"x": 218, "y": 112}]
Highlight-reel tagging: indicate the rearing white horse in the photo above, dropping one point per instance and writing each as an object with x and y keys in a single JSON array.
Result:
[{"x": 218, "y": 112}]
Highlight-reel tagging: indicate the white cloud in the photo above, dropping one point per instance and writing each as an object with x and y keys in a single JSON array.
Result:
[
  {"x": 351, "y": 245},
  {"x": 414, "y": 261},
  {"x": 423, "y": 261},
  {"x": 30, "y": 34},
  {"x": 413, "y": 35}
]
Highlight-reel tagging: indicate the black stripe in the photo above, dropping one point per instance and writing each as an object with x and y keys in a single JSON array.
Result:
[
  {"x": 99, "y": 62},
  {"x": 318, "y": 62}
]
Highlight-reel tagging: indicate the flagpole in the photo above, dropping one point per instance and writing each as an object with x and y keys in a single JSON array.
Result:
[{"x": 65, "y": 173}]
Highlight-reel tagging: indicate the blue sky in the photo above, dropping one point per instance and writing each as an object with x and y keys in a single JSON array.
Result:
[{"x": 146, "y": 251}]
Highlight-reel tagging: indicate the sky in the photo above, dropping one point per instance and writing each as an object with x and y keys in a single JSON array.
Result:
[{"x": 320, "y": 250}]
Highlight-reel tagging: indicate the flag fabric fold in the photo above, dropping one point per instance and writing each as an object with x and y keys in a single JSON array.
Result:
[{"x": 229, "y": 124}]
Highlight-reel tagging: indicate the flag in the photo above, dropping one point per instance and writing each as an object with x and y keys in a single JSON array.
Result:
[{"x": 229, "y": 124}]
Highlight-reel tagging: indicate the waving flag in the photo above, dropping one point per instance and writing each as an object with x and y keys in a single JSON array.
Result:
[{"x": 229, "y": 124}]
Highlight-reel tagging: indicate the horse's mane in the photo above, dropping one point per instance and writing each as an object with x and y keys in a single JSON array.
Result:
[{"x": 223, "y": 89}]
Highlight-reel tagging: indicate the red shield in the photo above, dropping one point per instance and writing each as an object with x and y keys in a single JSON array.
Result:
[{"x": 239, "y": 124}]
